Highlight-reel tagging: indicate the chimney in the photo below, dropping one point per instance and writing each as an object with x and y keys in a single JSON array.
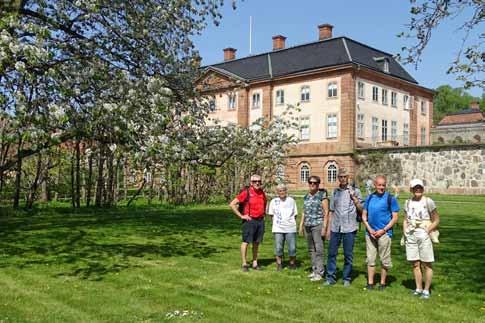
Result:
[
  {"x": 229, "y": 53},
  {"x": 325, "y": 31},
  {"x": 475, "y": 105},
  {"x": 278, "y": 42}
]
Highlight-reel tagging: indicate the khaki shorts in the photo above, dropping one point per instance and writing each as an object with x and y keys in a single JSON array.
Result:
[
  {"x": 419, "y": 246},
  {"x": 381, "y": 246}
]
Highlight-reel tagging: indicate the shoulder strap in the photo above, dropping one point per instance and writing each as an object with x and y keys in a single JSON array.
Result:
[
  {"x": 428, "y": 206},
  {"x": 389, "y": 202}
]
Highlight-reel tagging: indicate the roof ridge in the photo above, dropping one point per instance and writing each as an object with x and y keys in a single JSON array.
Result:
[{"x": 365, "y": 45}]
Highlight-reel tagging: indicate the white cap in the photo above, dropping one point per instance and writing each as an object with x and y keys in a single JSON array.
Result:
[{"x": 415, "y": 182}]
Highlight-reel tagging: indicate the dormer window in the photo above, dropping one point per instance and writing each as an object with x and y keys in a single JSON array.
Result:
[{"x": 383, "y": 63}]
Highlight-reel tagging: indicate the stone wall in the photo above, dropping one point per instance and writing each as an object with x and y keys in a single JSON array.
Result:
[{"x": 448, "y": 169}]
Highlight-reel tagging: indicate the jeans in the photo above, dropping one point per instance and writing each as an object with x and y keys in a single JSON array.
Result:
[
  {"x": 279, "y": 243},
  {"x": 315, "y": 247},
  {"x": 348, "y": 240}
]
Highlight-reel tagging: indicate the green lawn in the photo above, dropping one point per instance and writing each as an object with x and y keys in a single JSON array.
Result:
[{"x": 142, "y": 264}]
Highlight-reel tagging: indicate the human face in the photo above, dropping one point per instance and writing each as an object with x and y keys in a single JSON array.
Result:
[
  {"x": 417, "y": 191},
  {"x": 343, "y": 180},
  {"x": 380, "y": 185},
  {"x": 256, "y": 183},
  {"x": 313, "y": 185},
  {"x": 282, "y": 194}
]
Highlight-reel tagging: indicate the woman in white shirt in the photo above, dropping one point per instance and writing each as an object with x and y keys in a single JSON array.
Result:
[
  {"x": 421, "y": 219},
  {"x": 282, "y": 210}
]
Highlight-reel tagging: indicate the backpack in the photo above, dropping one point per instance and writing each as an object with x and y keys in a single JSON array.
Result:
[{"x": 242, "y": 204}]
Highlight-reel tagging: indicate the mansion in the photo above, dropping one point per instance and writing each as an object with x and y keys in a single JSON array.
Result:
[{"x": 349, "y": 94}]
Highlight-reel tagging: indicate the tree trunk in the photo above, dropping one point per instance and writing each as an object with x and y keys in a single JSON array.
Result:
[
  {"x": 77, "y": 200},
  {"x": 137, "y": 192},
  {"x": 35, "y": 184},
  {"x": 89, "y": 181},
  {"x": 100, "y": 180},
  {"x": 18, "y": 175},
  {"x": 109, "y": 186},
  {"x": 125, "y": 180},
  {"x": 73, "y": 181}
]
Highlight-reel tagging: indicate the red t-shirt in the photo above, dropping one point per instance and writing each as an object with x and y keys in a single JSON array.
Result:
[{"x": 256, "y": 207}]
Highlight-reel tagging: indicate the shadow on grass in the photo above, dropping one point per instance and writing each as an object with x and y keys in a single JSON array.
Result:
[{"x": 91, "y": 243}]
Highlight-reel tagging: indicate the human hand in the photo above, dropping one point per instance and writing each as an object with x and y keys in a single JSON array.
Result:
[
  {"x": 327, "y": 235},
  {"x": 372, "y": 233},
  {"x": 246, "y": 217},
  {"x": 379, "y": 233},
  {"x": 300, "y": 231}
]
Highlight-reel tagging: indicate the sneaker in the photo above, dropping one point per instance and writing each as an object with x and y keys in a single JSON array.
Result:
[
  {"x": 245, "y": 268},
  {"x": 316, "y": 278},
  {"x": 328, "y": 283},
  {"x": 369, "y": 286},
  {"x": 279, "y": 267},
  {"x": 311, "y": 275},
  {"x": 382, "y": 287},
  {"x": 292, "y": 267},
  {"x": 425, "y": 295},
  {"x": 346, "y": 283},
  {"x": 417, "y": 292},
  {"x": 256, "y": 267}
]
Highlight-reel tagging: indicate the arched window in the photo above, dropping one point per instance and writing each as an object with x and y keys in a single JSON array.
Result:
[
  {"x": 304, "y": 173},
  {"x": 332, "y": 90},
  {"x": 458, "y": 140},
  {"x": 477, "y": 139},
  {"x": 305, "y": 93},
  {"x": 332, "y": 173},
  {"x": 441, "y": 140}
]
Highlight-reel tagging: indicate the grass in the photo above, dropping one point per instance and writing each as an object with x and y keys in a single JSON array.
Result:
[{"x": 144, "y": 263}]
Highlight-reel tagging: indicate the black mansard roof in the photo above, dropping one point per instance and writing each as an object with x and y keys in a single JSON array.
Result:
[{"x": 307, "y": 57}]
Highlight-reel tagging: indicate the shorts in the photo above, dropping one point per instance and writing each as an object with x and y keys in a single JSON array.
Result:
[
  {"x": 419, "y": 246},
  {"x": 253, "y": 231},
  {"x": 381, "y": 246},
  {"x": 279, "y": 243}
]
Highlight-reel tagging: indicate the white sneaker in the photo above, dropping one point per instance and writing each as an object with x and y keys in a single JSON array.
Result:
[
  {"x": 316, "y": 278},
  {"x": 311, "y": 275}
]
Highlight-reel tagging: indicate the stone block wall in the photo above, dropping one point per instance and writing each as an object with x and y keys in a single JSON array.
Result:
[{"x": 447, "y": 169}]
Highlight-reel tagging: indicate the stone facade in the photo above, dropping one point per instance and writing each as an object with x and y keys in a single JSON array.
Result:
[{"x": 452, "y": 169}]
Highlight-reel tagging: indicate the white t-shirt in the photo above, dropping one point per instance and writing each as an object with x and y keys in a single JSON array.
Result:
[
  {"x": 284, "y": 214},
  {"x": 417, "y": 210}
]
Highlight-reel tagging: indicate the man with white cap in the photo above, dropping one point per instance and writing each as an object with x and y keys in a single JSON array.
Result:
[{"x": 421, "y": 219}]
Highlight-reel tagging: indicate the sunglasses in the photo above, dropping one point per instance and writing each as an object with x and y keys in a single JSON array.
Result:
[
  {"x": 311, "y": 183},
  {"x": 343, "y": 176},
  {"x": 256, "y": 182}
]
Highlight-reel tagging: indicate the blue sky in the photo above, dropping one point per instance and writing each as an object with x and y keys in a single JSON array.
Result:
[{"x": 375, "y": 23}]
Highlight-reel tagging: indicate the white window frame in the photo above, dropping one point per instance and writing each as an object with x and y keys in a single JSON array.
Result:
[
  {"x": 305, "y": 136},
  {"x": 304, "y": 173},
  {"x": 305, "y": 93},
  {"x": 361, "y": 90},
  {"x": 405, "y": 134},
  {"x": 384, "y": 130},
  {"x": 332, "y": 173},
  {"x": 424, "y": 109},
  {"x": 256, "y": 100},
  {"x": 360, "y": 125},
  {"x": 280, "y": 97},
  {"x": 332, "y": 90},
  {"x": 385, "y": 68},
  {"x": 375, "y": 94},
  {"x": 423, "y": 135},
  {"x": 384, "y": 96},
  {"x": 332, "y": 129},
  {"x": 375, "y": 129},
  {"x": 405, "y": 102},
  {"x": 393, "y": 130},
  {"x": 394, "y": 99},
  {"x": 232, "y": 101}
]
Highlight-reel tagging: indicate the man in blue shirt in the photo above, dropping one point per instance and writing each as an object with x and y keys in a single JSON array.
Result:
[{"x": 379, "y": 216}]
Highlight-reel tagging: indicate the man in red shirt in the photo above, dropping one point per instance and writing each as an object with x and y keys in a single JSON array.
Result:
[{"x": 252, "y": 217}]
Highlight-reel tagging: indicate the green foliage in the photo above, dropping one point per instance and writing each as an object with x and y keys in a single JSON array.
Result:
[
  {"x": 449, "y": 100},
  {"x": 140, "y": 264}
]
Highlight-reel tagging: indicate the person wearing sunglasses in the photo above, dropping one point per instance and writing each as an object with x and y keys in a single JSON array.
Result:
[
  {"x": 342, "y": 227},
  {"x": 313, "y": 223},
  {"x": 250, "y": 206}
]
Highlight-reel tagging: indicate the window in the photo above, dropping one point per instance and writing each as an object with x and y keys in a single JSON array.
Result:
[
  {"x": 212, "y": 105},
  {"x": 256, "y": 100},
  {"x": 305, "y": 94},
  {"x": 304, "y": 173},
  {"x": 332, "y": 126},
  {"x": 394, "y": 99},
  {"x": 361, "y": 90},
  {"x": 423, "y": 136},
  {"x": 375, "y": 94},
  {"x": 231, "y": 101},
  {"x": 394, "y": 130},
  {"x": 332, "y": 90},
  {"x": 280, "y": 97},
  {"x": 423, "y": 107},
  {"x": 384, "y": 96},
  {"x": 375, "y": 129},
  {"x": 405, "y": 134},
  {"x": 386, "y": 66},
  {"x": 360, "y": 125},
  {"x": 332, "y": 173},
  {"x": 384, "y": 130},
  {"x": 305, "y": 128},
  {"x": 406, "y": 102}
]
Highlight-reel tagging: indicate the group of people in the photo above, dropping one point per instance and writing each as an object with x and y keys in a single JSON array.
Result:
[{"x": 336, "y": 219}]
